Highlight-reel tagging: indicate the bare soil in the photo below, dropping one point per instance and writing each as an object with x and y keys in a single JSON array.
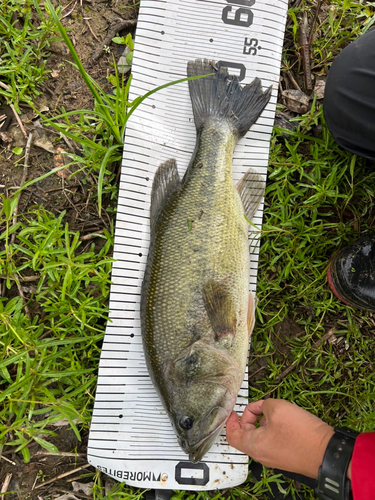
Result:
[{"x": 91, "y": 24}]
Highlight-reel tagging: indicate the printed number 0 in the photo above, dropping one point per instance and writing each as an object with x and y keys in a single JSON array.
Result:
[{"x": 248, "y": 21}]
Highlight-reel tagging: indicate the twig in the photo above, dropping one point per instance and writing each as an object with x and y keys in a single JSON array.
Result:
[
  {"x": 5, "y": 485},
  {"x": 67, "y": 5},
  {"x": 60, "y": 454},
  {"x": 91, "y": 236},
  {"x": 286, "y": 372},
  {"x": 89, "y": 27},
  {"x": 6, "y": 87},
  {"x": 305, "y": 46},
  {"x": 290, "y": 19},
  {"x": 62, "y": 475},
  {"x": 71, "y": 10},
  {"x": 290, "y": 368},
  {"x": 294, "y": 83},
  {"x": 35, "y": 480},
  {"x": 325, "y": 337},
  {"x": 5, "y": 124},
  {"x": 18, "y": 119},
  {"x": 312, "y": 29},
  {"x": 7, "y": 459},
  {"x": 20, "y": 278},
  {"x": 252, "y": 375},
  {"x": 65, "y": 139},
  {"x": 111, "y": 33}
]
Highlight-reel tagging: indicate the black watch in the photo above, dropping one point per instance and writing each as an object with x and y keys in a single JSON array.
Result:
[{"x": 332, "y": 481}]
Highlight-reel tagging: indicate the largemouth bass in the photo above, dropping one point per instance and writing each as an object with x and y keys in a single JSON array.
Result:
[{"x": 196, "y": 311}]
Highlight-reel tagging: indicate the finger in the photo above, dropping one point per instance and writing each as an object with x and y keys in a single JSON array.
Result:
[
  {"x": 233, "y": 429},
  {"x": 251, "y": 413},
  {"x": 263, "y": 421},
  {"x": 243, "y": 440},
  {"x": 233, "y": 422},
  {"x": 235, "y": 435}
]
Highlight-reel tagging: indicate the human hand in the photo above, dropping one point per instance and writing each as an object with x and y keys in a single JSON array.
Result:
[{"x": 288, "y": 437}]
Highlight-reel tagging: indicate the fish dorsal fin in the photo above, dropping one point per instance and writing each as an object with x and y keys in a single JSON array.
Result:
[
  {"x": 166, "y": 180},
  {"x": 251, "y": 190},
  {"x": 220, "y": 310}
]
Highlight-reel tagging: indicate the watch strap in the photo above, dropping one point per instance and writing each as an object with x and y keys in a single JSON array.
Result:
[{"x": 332, "y": 481}]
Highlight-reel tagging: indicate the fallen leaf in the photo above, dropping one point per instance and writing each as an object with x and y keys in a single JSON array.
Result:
[
  {"x": 59, "y": 160},
  {"x": 5, "y": 137},
  {"x": 86, "y": 488},
  {"x": 282, "y": 120},
  {"x": 296, "y": 101},
  {"x": 43, "y": 108},
  {"x": 123, "y": 65},
  {"x": 67, "y": 496},
  {"x": 319, "y": 88},
  {"x": 44, "y": 143}
]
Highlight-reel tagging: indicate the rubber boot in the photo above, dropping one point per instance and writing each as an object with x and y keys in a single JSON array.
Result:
[{"x": 351, "y": 274}]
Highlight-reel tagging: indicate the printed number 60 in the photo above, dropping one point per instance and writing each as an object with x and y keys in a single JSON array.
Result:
[{"x": 243, "y": 16}]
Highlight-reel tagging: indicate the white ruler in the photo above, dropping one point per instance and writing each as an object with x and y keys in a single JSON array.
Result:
[{"x": 131, "y": 438}]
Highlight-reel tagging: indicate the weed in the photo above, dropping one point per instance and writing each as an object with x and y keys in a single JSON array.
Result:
[
  {"x": 318, "y": 199},
  {"x": 23, "y": 50},
  {"x": 101, "y": 130},
  {"x": 48, "y": 361}
]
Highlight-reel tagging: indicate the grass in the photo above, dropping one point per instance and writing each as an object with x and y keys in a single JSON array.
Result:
[
  {"x": 318, "y": 199},
  {"x": 48, "y": 358},
  {"x": 312, "y": 196},
  {"x": 23, "y": 50}
]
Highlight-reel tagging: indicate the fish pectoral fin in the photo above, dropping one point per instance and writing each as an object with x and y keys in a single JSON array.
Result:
[
  {"x": 251, "y": 190},
  {"x": 166, "y": 368},
  {"x": 187, "y": 367},
  {"x": 166, "y": 181},
  {"x": 220, "y": 310}
]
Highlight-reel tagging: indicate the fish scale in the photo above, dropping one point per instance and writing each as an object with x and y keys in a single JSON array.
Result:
[
  {"x": 189, "y": 255},
  {"x": 194, "y": 303}
]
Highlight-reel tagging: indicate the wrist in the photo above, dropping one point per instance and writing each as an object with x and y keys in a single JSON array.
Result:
[
  {"x": 349, "y": 471},
  {"x": 335, "y": 471},
  {"x": 321, "y": 449}
]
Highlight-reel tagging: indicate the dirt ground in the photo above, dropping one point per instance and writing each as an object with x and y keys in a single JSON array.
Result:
[{"x": 92, "y": 24}]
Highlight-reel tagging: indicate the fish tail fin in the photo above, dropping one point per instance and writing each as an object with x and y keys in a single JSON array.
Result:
[{"x": 220, "y": 95}]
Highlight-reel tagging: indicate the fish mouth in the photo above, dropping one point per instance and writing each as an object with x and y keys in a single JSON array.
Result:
[{"x": 196, "y": 451}]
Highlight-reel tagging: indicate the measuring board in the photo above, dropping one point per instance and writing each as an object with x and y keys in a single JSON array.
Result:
[{"x": 131, "y": 437}]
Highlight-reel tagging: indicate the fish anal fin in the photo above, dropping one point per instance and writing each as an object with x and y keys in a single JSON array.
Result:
[
  {"x": 251, "y": 190},
  {"x": 166, "y": 181},
  {"x": 220, "y": 310}
]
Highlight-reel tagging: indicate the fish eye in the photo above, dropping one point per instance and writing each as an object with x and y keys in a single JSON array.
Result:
[{"x": 186, "y": 423}]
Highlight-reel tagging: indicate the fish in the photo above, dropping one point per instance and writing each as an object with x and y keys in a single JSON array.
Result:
[{"x": 196, "y": 311}]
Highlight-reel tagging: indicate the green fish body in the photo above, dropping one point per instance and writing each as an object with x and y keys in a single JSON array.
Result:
[{"x": 196, "y": 311}]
